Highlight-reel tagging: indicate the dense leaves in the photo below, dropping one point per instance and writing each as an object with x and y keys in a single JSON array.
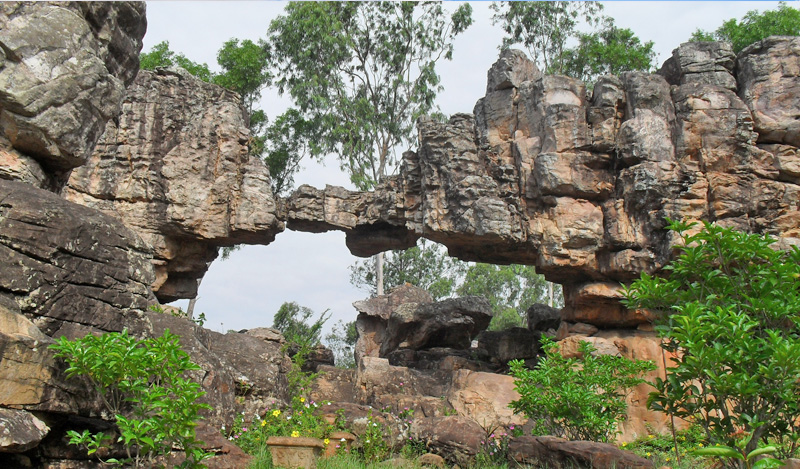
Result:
[
  {"x": 608, "y": 51},
  {"x": 580, "y": 398},
  {"x": 426, "y": 266},
  {"x": 544, "y": 28},
  {"x": 732, "y": 324},
  {"x": 754, "y": 26},
  {"x": 161, "y": 56},
  {"x": 294, "y": 322},
  {"x": 144, "y": 384}
]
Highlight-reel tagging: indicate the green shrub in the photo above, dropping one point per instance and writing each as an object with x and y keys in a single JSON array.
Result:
[
  {"x": 732, "y": 323},
  {"x": 576, "y": 398},
  {"x": 143, "y": 384}
]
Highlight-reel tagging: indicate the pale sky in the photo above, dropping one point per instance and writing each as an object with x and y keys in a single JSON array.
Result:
[{"x": 312, "y": 269}]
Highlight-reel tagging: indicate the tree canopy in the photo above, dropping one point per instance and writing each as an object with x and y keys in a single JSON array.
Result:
[
  {"x": 609, "y": 50},
  {"x": 162, "y": 56},
  {"x": 361, "y": 73},
  {"x": 754, "y": 26},
  {"x": 545, "y": 29}
]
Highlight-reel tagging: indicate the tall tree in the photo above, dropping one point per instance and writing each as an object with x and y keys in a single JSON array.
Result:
[
  {"x": 362, "y": 73},
  {"x": 754, "y": 26},
  {"x": 544, "y": 27},
  {"x": 609, "y": 50}
]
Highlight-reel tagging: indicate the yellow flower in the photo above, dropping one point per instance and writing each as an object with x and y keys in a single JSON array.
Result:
[
  {"x": 667, "y": 459},
  {"x": 302, "y": 399},
  {"x": 648, "y": 454},
  {"x": 276, "y": 413},
  {"x": 263, "y": 422},
  {"x": 624, "y": 444},
  {"x": 295, "y": 434},
  {"x": 699, "y": 445},
  {"x": 326, "y": 441},
  {"x": 651, "y": 436}
]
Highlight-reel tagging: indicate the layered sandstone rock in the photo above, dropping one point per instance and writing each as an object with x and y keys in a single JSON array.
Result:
[
  {"x": 57, "y": 89},
  {"x": 580, "y": 185},
  {"x": 175, "y": 168}
]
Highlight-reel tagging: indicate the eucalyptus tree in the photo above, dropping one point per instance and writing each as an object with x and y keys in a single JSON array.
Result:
[
  {"x": 544, "y": 28},
  {"x": 360, "y": 74}
]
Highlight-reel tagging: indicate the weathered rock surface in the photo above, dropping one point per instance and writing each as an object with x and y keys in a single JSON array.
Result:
[
  {"x": 449, "y": 323},
  {"x": 20, "y": 431},
  {"x": 557, "y": 453},
  {"x": 63, "y": 72},
  {"x": 374, "y": 313},
  {"x": 65, "y": 263},
  {"x": 580, "y": 186},
  {"x": 175, "y": 168}
]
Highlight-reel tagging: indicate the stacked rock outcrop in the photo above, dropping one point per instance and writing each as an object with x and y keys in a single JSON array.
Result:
[
  {"x": 579, "y": 184},
  {"x": 174, "y": 166},
  {"x": 68, "y": 269}
]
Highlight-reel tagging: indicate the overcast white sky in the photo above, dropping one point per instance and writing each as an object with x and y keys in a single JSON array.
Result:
[{"x": 312, "y": 269}]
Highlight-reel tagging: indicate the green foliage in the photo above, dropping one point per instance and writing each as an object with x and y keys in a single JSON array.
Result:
[
  {"x": 143, "y": 384},
  {"x": 293, "y": 322},
  {"x": 579, "y": 398},
  {"x": 544, "y": 28},
  {"x": 289, "y": 138},
  {"x": 660, "y": 448},
  {"x": 161, "y": 56},
  {"x": 299, "y": 419},
  {"x": 362, "y": 72},
  {"x": 607, "y": 51},
  {"x": 754, "y": 26},
  {"x": 732, "y": 327},
  {"x": 426, "y": 266},
  {"x": 740, "y": 456},
  {"x": 374, "y": 445},
  {"x": 510, "y": 289},
  {"x": 341, "y": 341}
]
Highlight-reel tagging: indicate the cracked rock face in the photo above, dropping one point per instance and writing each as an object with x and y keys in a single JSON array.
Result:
[
  {"x": 580, "y": 184},
  {"x": 68, "y": 264},
  {"x": 63, "y": 72},
  {"x": 175, "y": 168}
]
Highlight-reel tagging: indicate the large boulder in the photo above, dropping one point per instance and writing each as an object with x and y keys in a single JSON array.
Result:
[
  {"x": 557, "y": 453},
  {"x": 64, "y": 68},
  {"x": 448, "y": 323},
  {"x": 175, "y": 168},
  {"x": 374, "y": 313}
]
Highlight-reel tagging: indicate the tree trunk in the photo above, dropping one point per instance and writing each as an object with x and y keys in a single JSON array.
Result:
[
  {"x": 379, "y": 273},
  {"x": 550, "y": 294}
]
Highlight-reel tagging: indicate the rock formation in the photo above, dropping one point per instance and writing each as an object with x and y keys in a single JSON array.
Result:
[
  {"x": 57, "y": 89},
  {"x": 174, "y": 166},
  {"x": 580, "y": 184}
]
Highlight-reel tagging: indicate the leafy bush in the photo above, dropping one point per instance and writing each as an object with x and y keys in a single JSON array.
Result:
[
  {"x": 732, "y": 325},
  {"x": 577, "y": 398},
  {"x": 143, "y": 384}
]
